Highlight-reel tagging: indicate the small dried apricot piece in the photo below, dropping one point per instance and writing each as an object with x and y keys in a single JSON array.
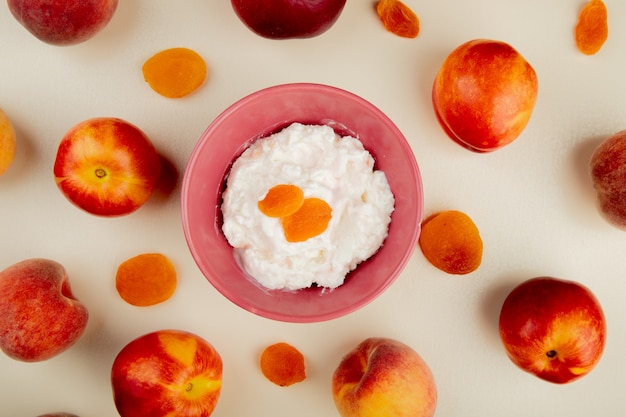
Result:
[
  {"x": 7, "y": 143},
  {"x": 283, "y": 364},
  {"x": 281, "y": 200},
  {"x": 592, "y": 28},
  {"x": 398, "y": 18},
  {"x": 309, "y": 221},
  {"x": 451, "y": 242},
  {"x": 175, "y": 72},
  {"x": 146, "y": 279}
]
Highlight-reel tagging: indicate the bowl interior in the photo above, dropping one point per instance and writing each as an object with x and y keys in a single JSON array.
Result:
[{"x": 266, "y": 112}]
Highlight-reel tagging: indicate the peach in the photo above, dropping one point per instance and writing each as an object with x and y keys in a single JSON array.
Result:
[
  {"x": 484, "y": 94},
  {"x": 66, "y": 22},
  {"x": 383, "y": 377},
  {"x": 107, "y": 166},
  {"x": 39, "y": 316},
  {"x": 7, "y": 143},
  {"x": 608, "y": 174}
]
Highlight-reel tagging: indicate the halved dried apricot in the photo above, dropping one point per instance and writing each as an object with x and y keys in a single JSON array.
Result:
[
  {"x": 282, "y": 200},
  {"x": 283, "y": 364},
  {"x": 175, "y": 72},
  {"x": 146, "y": 279},
  {"x": 592, "y": 28},
  {"x": 451, "y": 242},
  {"x": 309, "y": 221},
  {"x": 398, "y": 18}
]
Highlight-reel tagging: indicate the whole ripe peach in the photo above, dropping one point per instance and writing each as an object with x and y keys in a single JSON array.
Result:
[
  {"x": 484, "y": 94},
  {"x": 7, "y": 143},
  {"x": 39, "y": 316},
  {"x": 608, "y": 175},
  {"x": 167, "y": 373},
  {"x": 553, "y": 328},
  {"x": 383, "y": 377},
  {"x": 63, "y": 22},
  {"x": 107, "y": 166}
]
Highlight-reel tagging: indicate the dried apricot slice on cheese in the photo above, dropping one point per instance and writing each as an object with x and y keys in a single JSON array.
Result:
[
  {"x": 281, "y": 200},
  {"x": 309, "y": 221}
]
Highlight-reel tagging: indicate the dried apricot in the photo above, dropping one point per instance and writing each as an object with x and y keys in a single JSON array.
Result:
[
  {"x": 175, "y": 72},
  {"x": 592, "y": 28},
  {"x": 309, "y": 221},
  {"x": 281, "y": 200},
  {"x": 451, "y": 242},
  {"x": 398, "y": 18},
  {"x": 7, "y": 143},
  {"x": 283, "y": 364},
  {"x": 146, "y": 279}
]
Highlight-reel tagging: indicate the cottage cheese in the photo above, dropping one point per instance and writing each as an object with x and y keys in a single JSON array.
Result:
[{"x": 324, "y": 165}]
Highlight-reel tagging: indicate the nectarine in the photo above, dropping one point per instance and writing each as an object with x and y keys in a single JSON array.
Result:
[
  {"x": 167, "y": 373},
  {"x": 484, "y": 94},
  {"x": 553, "y": 328},
  {"x": 286, "y": 19},
  {"x": 107, "y": 166}
]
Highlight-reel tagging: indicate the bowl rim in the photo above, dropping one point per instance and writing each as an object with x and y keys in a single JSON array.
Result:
[{"x": 303, "y": 87}]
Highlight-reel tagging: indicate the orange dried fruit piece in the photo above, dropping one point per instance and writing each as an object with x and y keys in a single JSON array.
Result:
[
  {"x": 175, "y": 72},
  {"x": 7, "y": 143},
  {"x": 451, "y": 242},
  {"x": 282, "y": 200},
  {"x": 283, "y": 364},
  {"x": 592, "y": 28},
  {"x": 309, "y": 221},
  {"x": 146, "y": 279},
  {"x": 398, "y": 18}
]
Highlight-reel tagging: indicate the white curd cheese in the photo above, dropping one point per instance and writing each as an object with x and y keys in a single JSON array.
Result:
[{"x": 324, "y": 165}]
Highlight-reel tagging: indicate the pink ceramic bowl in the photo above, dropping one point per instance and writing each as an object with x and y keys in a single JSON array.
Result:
[{"x": 268, "y": 111}]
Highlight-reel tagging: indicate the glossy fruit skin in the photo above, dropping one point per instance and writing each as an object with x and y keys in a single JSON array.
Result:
[
  {"x": 383, "y": 377},
  {"x": 484, "y": 94},
  {"x": 107, "y": 167},
  {"x": 288, "y": 19},
  {"x": 63, "y": 22},
  {"x": 553, "y": 328},
  {"x": 166, "y": 373},
  {"x": 39, "y": 316},
  {"x": 607, "y": 168}
]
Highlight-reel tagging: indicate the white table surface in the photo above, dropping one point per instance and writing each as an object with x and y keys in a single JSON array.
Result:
[{"x": 532, "y": 200}]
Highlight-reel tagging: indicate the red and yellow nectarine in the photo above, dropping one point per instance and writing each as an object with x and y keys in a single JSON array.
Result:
[
  {"x": 107, "y": 166},
  {"x": 167, "y": 373},
  {"x": 484, "y": 94},
  {"x": 553, "y": 328}
]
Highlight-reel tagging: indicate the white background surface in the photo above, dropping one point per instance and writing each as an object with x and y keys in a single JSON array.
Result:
[{"x": 532, "y": 200}]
